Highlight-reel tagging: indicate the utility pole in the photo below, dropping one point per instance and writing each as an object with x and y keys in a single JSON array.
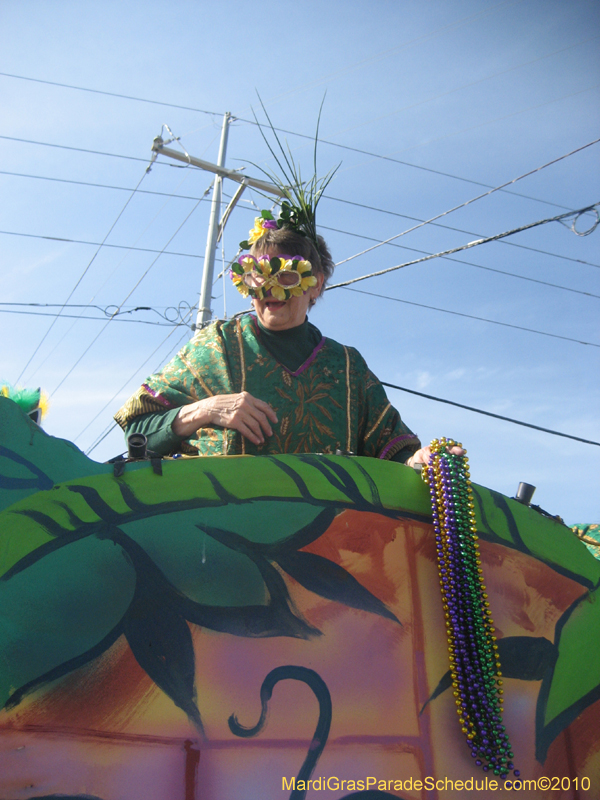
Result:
[
  {"x": 204, "y": 309},
  {"x": 215, "y": 226}
]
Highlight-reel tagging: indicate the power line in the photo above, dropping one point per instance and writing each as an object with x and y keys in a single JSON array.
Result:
[
  {"x": 476, "y": 243},
  {"x": 469, "y": 316},
  {"x": 405, "y": 163},
  {"x": 436, "y": 225},
  {"x": 85, "y": 150},
  {"x": 128, "y": 296},
  {"x": 100, "y": 244},
  {"x": 322, "y": 227},
  {"x": 502, "y": 118},
  {"x": 490, "y": 414},
  {"x": 302, "y": 136},
  {"x": 95, "y": 319},
  {"x": 328, "y": 197},
  {"x": 403, "y": 45},
  {"x": 422, "y": 222},
  {"x": 294, "y": 133},
  {"x": 458, "y": 230},
  {"x": 113, "y": 425},
  {"x": 83, "y": 274},
  {"x": 97, "y": 185},
  {"x": 467, "y": 263},
  {"x": 474, "y": 199},
  {"x": 360, "y": 63},
  {"x": 111, "y": 94},
  {"x": 172, "y": 315},
  {"x": 169, "y": 197}
]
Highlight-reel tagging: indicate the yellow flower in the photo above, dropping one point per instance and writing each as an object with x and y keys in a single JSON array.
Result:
[
  {"x": 263, "y": 265},
  {"x": 277, "y": 292},
  {"x": 307, "y": 283},
  {"x": 248, "y": 263},
  {"x": 239, "y": 284},
  {"x": 257, "y": 231}
]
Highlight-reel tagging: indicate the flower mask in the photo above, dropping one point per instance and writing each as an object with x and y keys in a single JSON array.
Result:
[{"x": 282, "y": 276}]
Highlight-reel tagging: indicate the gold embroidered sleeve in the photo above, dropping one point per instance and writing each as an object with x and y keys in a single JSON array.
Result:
[{"x": 382, "y": 433}]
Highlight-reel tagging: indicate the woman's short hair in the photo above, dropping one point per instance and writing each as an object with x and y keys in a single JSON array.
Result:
[{"x": 291, "y": 243}]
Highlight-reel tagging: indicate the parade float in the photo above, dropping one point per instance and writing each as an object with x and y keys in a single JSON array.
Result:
[
  {"x": 244, "y": 627},
  {"x": 240, "y": 628}
]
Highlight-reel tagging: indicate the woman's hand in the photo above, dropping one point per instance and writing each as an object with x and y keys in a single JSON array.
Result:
[
  {"x": 423, "y": 455},
  {"x": 241, "y": 412}
]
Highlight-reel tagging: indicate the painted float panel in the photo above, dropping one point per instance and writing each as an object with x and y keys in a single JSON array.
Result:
[{"x": 140, "y": 616}]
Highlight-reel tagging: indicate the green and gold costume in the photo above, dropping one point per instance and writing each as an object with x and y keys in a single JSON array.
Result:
[{"x": 331, "y": 401}]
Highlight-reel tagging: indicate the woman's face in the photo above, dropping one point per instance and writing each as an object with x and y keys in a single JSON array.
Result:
[{"x": 279, "y": 315}]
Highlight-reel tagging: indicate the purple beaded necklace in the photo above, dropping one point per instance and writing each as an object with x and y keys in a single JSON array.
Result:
[{"x": 472, "y": 648}]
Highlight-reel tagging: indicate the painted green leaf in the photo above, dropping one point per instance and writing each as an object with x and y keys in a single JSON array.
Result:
[
  {"x": 44, "y": 460},
  {"x": 575, "y": 681},
  {"x": 200, "y": 567},
  {"x": 327, "y": 579},
  {"x": 204, "y": 569},
  {"x": 60, "y": 607},
  {"x": 527, "y": 658},
  {"x": 161, "y": 642},
  {"x": 507, "y": 522}
]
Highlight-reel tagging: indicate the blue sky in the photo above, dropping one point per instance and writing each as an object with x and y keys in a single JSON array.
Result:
[{"x": 457, "y": 96}]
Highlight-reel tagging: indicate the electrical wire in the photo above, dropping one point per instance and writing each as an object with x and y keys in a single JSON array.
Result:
[
  {"x": 111, "y": 94},
  {"x": 97, "y": 185},
  {"x": 490, "y": 414},
  {"x": 117, "y": 267},
  {"x": 92, "y": 152},
  {"x": 126, "y": 299},
  {"x": 83, "y": 274},
  {"x": 299, "y": 135},
  {"x": 471, "y": 316},
  {"x": 476, "y": 243},
  {"x": 174, "y": 315},
  {"x": 228, "y": 196},
  {"x": 402, "y": 163},
  {"x": 385, "y": 53},
  {"x": 473, "y": 200},
  {"x": 113, "y": 425},
  {"x": 100, "y": 244},
  {"x": 468, "y": 263},
  {"x": 281, "y": 130},
  {"x": 95, "y": 319},
  {"x": 459, "y": 230}
]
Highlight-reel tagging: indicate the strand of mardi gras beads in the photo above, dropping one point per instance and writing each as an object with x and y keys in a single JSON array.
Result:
[{"x": 472, "y": 648}]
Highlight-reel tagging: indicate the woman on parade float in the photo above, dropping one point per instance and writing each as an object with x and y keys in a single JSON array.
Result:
[{"x": 271, "y": 383}]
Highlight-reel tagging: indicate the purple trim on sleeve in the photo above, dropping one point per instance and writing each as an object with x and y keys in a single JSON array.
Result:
[
  {"x": 394, "y": 441},
  {"x": 159, "y": 398}
]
